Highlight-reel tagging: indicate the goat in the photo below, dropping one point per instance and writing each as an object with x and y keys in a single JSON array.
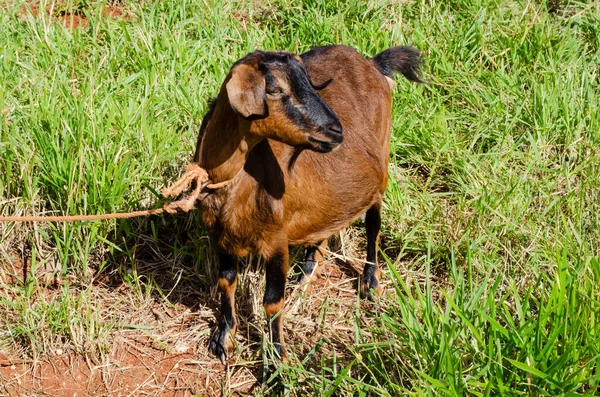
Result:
[{"x": 271, "y": 108}]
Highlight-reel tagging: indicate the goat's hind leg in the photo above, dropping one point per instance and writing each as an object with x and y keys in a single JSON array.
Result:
[
  {"x": 222, "y": 340},
  {"x": 371, "y": 272},
  {"x": 314, "y": 256}
]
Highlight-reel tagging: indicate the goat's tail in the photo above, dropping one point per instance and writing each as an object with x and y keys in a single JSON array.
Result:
[{"x": 400, "y": 59}]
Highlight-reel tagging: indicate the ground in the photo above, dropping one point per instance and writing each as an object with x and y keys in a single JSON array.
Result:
[{"x": 166, "y": 354}]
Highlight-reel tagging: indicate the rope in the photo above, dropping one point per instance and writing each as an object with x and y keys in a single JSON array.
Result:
[
  {"x": 193, "y": 172},
  {"x": 74, "y": 218}
]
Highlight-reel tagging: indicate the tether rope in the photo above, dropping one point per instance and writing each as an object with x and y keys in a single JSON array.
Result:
[{"x": 193, "y": 172}]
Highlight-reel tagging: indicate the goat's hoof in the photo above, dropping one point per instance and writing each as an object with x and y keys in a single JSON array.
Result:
[
  {"x": 300, "y": 278},
  {"x": 280, "y": 352},
  {"x": 369, "y": 285},
  {"x": 221, "y": 344}
]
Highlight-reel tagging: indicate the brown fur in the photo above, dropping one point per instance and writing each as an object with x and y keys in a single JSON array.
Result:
[
  {"x": 324, "y": 192},
  {"x": 270, "y": 205}
]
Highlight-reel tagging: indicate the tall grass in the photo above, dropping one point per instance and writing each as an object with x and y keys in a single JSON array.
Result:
[{"x": 491, "y": 214}]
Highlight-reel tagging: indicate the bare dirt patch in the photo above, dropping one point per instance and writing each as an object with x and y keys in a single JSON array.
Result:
[
  {"x": 72, "y": 16},
  {"x": 126, "y": 373},
  {"x": 160, "y": 348}
]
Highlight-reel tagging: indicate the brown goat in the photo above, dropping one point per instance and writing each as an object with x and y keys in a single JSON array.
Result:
[{"x": 271, "y": 107}]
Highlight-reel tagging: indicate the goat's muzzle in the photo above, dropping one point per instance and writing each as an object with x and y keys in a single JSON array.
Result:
[{"x": 329, "y": 137}]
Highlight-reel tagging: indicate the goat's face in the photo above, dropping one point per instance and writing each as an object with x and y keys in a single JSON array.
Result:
[{"x": 273, "y": 92}]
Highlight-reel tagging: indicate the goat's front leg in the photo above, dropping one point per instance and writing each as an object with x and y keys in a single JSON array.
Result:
[
  {"x": 221, "y": 342},
  {"x": 276, "y": 274}
]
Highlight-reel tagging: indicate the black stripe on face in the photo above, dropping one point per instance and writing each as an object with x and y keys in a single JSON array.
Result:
[
  {"x": 315, "y": 109},
  {"x": 295, "y": 115},
  {"x": 304, "y": 107},
  {"x": 292, "y": 111},
  {"x": 269, "y": 79}
]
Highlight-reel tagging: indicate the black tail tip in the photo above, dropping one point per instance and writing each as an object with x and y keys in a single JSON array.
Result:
[{"x": 401, "y": 59}]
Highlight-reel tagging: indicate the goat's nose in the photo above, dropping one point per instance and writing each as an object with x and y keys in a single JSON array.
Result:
[{"x": 334, "y": 128}]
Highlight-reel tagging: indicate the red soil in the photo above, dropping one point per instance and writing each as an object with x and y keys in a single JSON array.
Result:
[
  {"x": 128, "y": 372},
  {"x": 71, "y": 18}
]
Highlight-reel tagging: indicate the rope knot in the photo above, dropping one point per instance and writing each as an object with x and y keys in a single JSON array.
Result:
[{"x": 193, "y": 172}]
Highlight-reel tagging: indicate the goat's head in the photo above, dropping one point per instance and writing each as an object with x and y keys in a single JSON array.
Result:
[{"x": 272, "y": 91}]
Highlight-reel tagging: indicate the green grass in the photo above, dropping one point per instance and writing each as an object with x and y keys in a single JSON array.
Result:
[{"x": 491, "y": 224}]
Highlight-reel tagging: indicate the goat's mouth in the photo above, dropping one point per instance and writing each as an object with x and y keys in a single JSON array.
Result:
[{"x": 325, "y": 145}]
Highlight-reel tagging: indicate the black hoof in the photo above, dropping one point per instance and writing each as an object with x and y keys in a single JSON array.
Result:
[
  {"x": 221, "y": 344},
  {"x": 280, "y": 351},
  {"x": 299, "y": 278},
  {"x": 368, "y": 286}
]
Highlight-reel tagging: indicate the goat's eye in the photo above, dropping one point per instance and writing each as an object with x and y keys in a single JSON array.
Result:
[{"x": 275, "y": 92}]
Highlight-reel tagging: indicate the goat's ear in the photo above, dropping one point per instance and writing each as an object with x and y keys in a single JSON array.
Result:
[{"x": 246, "y": 92}]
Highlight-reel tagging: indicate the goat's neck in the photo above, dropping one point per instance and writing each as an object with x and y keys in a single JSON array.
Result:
[{"x": 225, "y": 145}]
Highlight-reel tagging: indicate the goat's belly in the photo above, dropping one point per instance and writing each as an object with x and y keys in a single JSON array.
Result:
[
  {"x": 315, "y": 217},
  {"x": 313, "y": 233}
]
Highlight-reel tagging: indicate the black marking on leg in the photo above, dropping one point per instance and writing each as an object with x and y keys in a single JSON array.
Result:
[
  {"x": 227, "y": 268},
  {"x": 275, "y": 275},
  {"x": 222, "y": 340},
  {"x": 275, "y": 326},
  {"x": 226, "y": 320},
  {"x": 308, "y": 266},
  {"x": 373, "y": 225}
]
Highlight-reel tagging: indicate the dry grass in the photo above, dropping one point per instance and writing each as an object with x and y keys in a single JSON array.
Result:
[{"x": 167, "y": 319}]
